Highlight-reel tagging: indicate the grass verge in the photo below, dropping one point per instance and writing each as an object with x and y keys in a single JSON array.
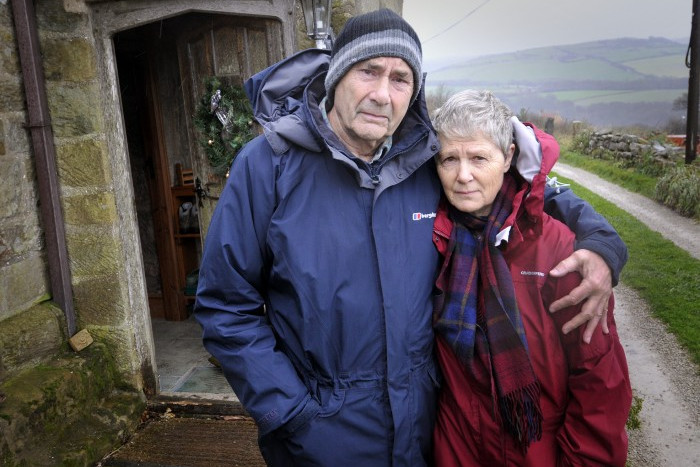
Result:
[
  {"x": 625, "y": 177},
  {"x": 633, "y": 421},
  {"x": 665, "y": 276}
]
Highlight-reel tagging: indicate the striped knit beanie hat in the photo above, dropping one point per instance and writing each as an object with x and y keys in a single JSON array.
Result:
[{"x": 380, "y": 33}]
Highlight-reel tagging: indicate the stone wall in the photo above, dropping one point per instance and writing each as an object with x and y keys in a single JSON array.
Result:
[
  {"x": 23, "y": 268},
  {"x": 89, "y": 180},
  {"x": 630, "y": 147},
  {"x": 69, "y": 410},
  {"x": 46, "y": 389},
  {"x": 96, "y": 258}
]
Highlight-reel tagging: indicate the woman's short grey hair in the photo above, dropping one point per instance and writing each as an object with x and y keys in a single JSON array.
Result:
[{"x": 470, "y": 114}]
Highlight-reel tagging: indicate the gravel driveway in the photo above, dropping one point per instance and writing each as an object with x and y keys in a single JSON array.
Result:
[
  {"x": 660, "y": 371},
  {"x": 682, "y": 231}
]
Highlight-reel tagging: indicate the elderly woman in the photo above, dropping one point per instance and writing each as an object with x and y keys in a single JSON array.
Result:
[{"x": 517, "y": 392}]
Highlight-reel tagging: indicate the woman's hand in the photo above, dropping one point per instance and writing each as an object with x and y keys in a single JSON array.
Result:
[{"x": 595, "y": 288}]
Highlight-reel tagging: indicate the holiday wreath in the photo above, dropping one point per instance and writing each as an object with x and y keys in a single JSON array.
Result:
[{"x": 224, "y": 120}]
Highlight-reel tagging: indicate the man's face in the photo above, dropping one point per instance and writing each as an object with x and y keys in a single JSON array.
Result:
[
  {"x": 471, "y": 172},
  {"x": 370, "y": 102}
]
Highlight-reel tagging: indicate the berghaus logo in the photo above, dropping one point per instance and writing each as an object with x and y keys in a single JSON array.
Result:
[{"x": 417, "y": 216}]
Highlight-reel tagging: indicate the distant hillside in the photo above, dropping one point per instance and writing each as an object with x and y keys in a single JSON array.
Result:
[{"x": 613, "y": 82}]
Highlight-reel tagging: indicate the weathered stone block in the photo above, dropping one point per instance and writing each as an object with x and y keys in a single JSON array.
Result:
[
  {"x": 18, "y": 192},
  {"x": 11, "y": 169},
  {"x": 52, "y": 16},
  {"x": 69, "y": 60},
  {"x": 70, "y": 411},
  {"x": 75, "y": 109},
  {"x": 100, "y": 301},
  {"x": 83, "y": 164},
  {"x": 80, "y": 340},
  {"x": 24, "y": 282},
  {"x": 5, "y": 256},
  {"x": 31, "y": 337},
  {"x": 11, "y": 95},
  {"x": 19, "y": 237},
  {"x": 93, "y": 253},
  {"x": 3, "y": 151},
  {"x": 637, "y": 148},
  {"x": 120, "y": 341},
  {"x": 16, "y": 139},
  {"x": 618, "y": 146},
  {"x": 98, "y": 208},
  {"x": 9, "y": 60},
  {"x": 5, "y": 14}
]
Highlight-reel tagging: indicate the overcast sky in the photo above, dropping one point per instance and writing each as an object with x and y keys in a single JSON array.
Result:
[{"x": 467, "y": 28}]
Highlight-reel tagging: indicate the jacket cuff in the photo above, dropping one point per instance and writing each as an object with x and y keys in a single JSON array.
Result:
[
  {"x": 610, "y": 255},
  {"x": 310, "y": 410}
]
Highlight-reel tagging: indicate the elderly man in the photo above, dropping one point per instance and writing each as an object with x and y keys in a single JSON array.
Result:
[{"x": 315, "y": 287}]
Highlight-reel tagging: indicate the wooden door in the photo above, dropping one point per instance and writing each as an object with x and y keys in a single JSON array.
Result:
[
  {"x": 163, "y": 69},
  {"x": 232, "y": 49},
  {"x": 183, "y": 52},
  {"x": 173, "y": 306}
]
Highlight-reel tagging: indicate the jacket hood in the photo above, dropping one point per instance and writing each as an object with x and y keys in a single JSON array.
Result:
[
  {"x": 276, "y": 96},
  {"x": 536, "y": 155},
  {"x": 284, "y": 97}
]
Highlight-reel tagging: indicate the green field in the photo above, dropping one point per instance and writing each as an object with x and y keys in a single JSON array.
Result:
[
  {"x": 619, "y": 60},
  {"x": 579, "y": 97},
  {"x": 584, "y": 98},
  {"x": 672, "y": 65},
  {"x": 626, "y": 50},
  {"x": 536, "y": 70}
]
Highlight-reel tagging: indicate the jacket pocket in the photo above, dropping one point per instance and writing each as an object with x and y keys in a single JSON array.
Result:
[
  {"x": 438, "y": 303},
  {"x": 424, "y": 383},
  {"x": 331, "y": 400},
  {"x": 352, "y": 428}
]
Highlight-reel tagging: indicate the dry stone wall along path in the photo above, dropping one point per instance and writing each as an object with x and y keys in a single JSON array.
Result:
[{"x": 660, "y": 370}]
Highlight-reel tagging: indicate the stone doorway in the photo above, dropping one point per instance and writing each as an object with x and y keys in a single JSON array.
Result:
[{"x": 153, "y": 67}]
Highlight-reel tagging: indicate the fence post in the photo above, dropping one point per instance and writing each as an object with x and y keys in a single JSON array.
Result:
[{"x": 691, "y": 61}]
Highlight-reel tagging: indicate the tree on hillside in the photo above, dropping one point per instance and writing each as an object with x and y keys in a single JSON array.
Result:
[
  {"x": 678, "y": 125},
  {"x": 436, "y": 97},
  {"x": 681, "y": 102}
]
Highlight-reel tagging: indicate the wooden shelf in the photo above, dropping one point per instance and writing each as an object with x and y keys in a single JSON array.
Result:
[{"x": 187, "y": 246}]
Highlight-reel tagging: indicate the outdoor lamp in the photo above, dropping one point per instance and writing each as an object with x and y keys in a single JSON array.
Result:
[{"x": 317, "y": 15}]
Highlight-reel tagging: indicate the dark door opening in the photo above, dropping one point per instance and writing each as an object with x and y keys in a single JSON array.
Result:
[
  {"x": 162, "y": 69},
  {"x": 143, "y": 54}
]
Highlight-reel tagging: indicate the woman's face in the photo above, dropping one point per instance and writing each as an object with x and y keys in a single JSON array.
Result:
[{"x": 471, "y": 172}]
